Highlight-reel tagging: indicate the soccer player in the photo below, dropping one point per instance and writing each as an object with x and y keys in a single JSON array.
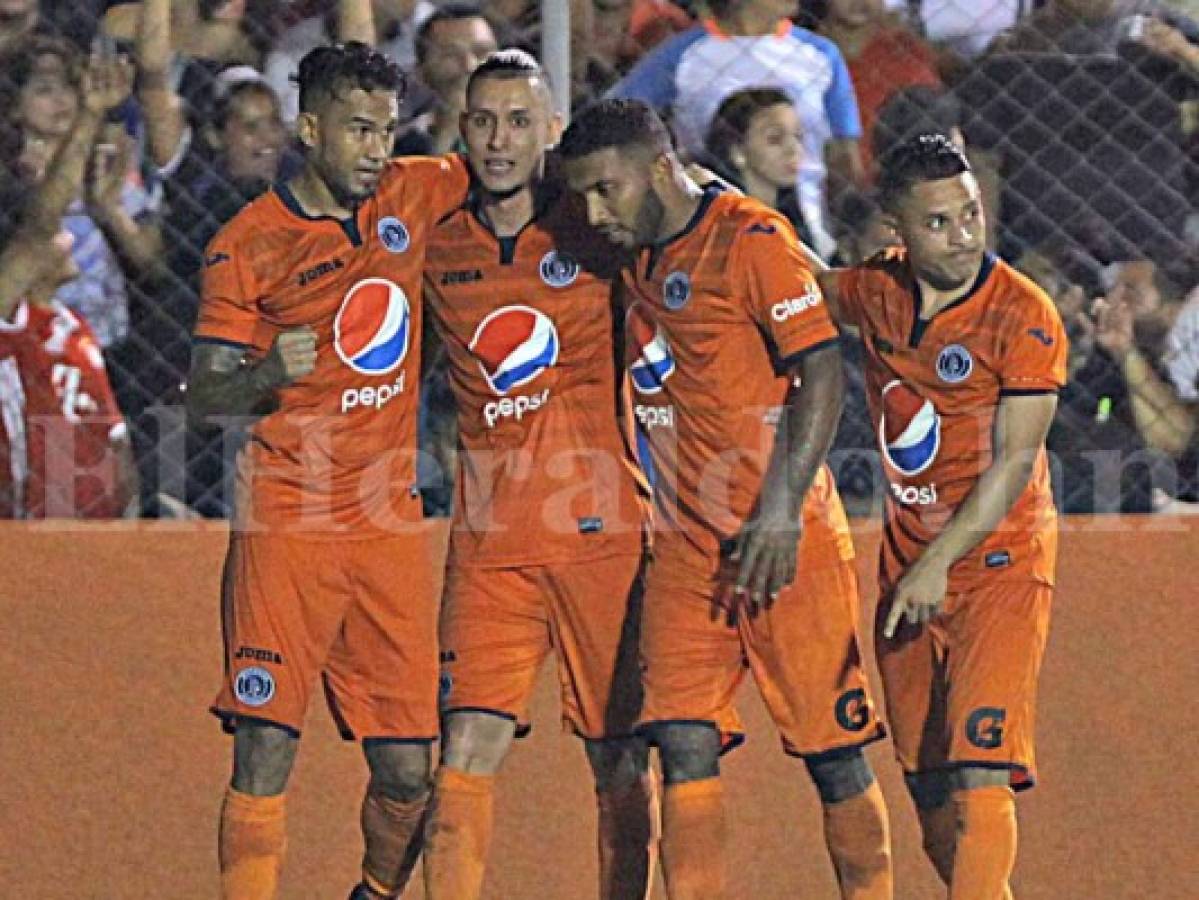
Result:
[
  {"x": 964, "y": 357},
  {"x": 546, "y": 548},
  {"x": 737, "y": 379},
  {"x": 309, "y": 318}
]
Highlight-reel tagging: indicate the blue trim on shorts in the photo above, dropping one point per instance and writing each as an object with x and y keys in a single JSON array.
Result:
[
  {"x": 229, "y": 721},
  {"x": 836, "y": 752},
  {"x": 1027, "y": 783},
  {"x": 522, "y": 731},
  {"x": 735, "y": 738}
]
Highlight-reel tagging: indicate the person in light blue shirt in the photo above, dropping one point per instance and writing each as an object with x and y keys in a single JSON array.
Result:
[{"x": 751, "y": 43}]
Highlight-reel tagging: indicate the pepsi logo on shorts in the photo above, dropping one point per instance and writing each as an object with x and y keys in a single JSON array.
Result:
[{"x": 373, "y": 327}]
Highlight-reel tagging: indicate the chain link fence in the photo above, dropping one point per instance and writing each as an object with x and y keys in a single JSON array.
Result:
[{"x": 1084, "y": 133}]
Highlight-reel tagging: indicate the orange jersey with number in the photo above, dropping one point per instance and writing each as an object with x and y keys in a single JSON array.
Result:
[
  {"x": 546, "y": 474},
  {"x": 715, "y": 316},
  {"x": 934, "y": 387},
  {"x": 336, "y": 454}
]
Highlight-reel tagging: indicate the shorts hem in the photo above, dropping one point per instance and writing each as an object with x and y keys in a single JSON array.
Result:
[
  {"x": 729, "y": 740},
  {"x": 523, "y": 729},
  {"x": 834, "y": 752},
  {"x": 388, "y": 739},
  {"x": 230, "y": 718},
  {"x": 1026, "y": 782}
]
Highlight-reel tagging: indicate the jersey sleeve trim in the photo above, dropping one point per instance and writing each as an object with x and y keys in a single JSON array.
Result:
[
  {"x": 789, "y": 361},
  {"x": 1027, "y": 392}
]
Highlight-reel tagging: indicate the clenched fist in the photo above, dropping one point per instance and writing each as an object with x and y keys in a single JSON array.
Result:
[{"x": 292, "y": 356}]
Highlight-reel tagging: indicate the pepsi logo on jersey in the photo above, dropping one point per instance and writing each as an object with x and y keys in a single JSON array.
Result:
[
  {"x": 652, "y": 359},
  {"x": 514, "y": 345},
  {"x": 371, "y": 334},
  {"x": 909, "y": 433}
]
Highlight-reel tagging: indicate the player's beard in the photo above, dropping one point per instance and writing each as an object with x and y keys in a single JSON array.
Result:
[{"x": 648, "y": 224}]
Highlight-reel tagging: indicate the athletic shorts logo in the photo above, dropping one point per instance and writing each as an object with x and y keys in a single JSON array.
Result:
[
  {"x": 254, "y": 686},
  {"x": 652, "y": 360},
  {"x": 852, "y": 710},
  {"x": 558, "y": 270},
  {"x": 909, "y": 430},
  {"x": 984, "y": 728},
  {"x": 373, "y": 326},
  {"x": 954, "y": 364},
  {"x": 394, "y": 234},
  {"x": 676, "y": 290},
  {"x": 514, "y": 345}
]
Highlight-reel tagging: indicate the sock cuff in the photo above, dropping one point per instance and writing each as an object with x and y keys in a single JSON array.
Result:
[
  {"x": 250, "y": 806},
  {"x": 457, "y": 781},
  {"x": 701, "y": 789}
]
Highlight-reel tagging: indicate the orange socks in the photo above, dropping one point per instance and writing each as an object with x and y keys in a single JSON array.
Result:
[
  {"x": 392, "y": 832},
  {"x": 458, "y": 834},
  {"x": 628, "y": 840},
  {"x": 693, "y": 840},
  {"x": 251, "y": 844},
  {"x": 857, "y": 834},
  {"x": 986, "y": 843}
]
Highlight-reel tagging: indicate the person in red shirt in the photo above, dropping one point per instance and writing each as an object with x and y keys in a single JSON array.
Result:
[
  {"x": 309, "y": 328},
  {"x": 964, "y": 358},
  {"x": 737, "y": 381},
  {"x": 549, "y": 519}
]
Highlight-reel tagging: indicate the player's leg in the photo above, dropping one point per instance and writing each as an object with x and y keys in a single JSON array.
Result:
[
  {"x": 692, "y": 663},
  {"x": 275, "y": 642},
  {"x": 381, "y": 684},
  {"x": 595, "y": 616},
  {"x": 820, "y": 701},
  {"x": 494, "y": 637},
  {"x": 996, "y": 637}
]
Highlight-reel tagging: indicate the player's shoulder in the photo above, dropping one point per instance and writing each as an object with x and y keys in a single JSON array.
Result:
[
  {"x": 888, "y": 266},
  {"x": 746, "y": 218},
  {"x": 264, "y": 213},
  {"x": 1020, "y": 296}
]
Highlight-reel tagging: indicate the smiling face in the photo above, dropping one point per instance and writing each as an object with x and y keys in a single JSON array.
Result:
[
  {"x": 48, "y": 101},
  {"x": 253, "y": 136},
  {"x": 943, "y": 227},
  {"x": 507, "y": 126}
]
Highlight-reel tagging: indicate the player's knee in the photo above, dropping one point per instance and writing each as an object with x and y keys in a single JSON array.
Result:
[
  {"x": 929, "y": 790},
  {"x": 476, "y": 742},
  {"x": 263, "y": 755},
  {"x": 688, "y": 751},
  {"x": 617, "y": 763},
  {"x": 401, "y": 772},
  {"x": 840, "y": 775}
]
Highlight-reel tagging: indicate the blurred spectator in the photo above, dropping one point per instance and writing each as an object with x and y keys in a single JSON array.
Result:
[
  {"x": 223, "y": 32},
  {"x": 751, "y": 44},
  {"x": 963, "y": 27},
  {"x": 1097, "y": 26},
  {"x": 756, "y": 143},
  {"x": 1182, "y": 351},
  {"x": 623, "y": 32},
  {"x": 863, "y": 229},
  {"x": 21, "y": 20},
  {"x": 449, "y": 46},
  {"x": 882, "y": 56},
  {"x": 112, "y": 221},
  {"x": 397, "y": 24}
]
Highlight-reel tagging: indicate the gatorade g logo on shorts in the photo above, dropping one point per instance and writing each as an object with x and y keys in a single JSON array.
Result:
[
  {"x": 984, "y": 728},
  {"x": 909, "y": 430},
  {"x": 852, "y": 710},
  {"x": 373, "y": 327},
  {"x": 652, "y": 360},
  {"x": 254, "y": 686}
]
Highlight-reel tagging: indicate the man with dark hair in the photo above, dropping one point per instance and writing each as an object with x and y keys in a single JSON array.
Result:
[
  {"x": 720, "y": 305},
  {"x": 546, "y": 545},
  {"x": 310, "y": 320},
  {"x": 964, "y": 358}
]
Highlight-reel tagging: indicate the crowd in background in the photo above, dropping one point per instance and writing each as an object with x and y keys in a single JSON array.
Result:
[{"x": 1081, "y": 118}]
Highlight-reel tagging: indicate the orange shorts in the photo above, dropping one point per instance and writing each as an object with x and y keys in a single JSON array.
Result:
[
  {"x": 803, "y": 653},
  {"x": 498, "y": 626},
  {"x": 962, "y": 691},
  {"x": 361, "y": 614}
]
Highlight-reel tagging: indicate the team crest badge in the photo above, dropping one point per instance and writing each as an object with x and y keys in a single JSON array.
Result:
[
  {"x": 676, "y": 290},
  {"x": 254, "y": 686},
  {"x": 394, "y": 234},
  {"x": 558, "y": 270},
  {"x": 954, "y": 364}
]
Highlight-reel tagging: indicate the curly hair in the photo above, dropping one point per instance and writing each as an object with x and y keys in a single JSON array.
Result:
[{"x": 343, "y": 67}]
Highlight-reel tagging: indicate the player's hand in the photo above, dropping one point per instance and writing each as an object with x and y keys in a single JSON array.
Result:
[
  {"x": 1114, "y": 330},
  {"x": 1168, "y": 41},
  {"x": 765, "y": 553},
  {"x": 107, "y": 80},
  {"x": 918, "y": 596},
  {"x": 292, "y": 356}
]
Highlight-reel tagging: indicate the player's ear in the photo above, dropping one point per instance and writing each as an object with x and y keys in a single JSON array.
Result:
[
  {"x": 664, "y": 170},
  {"x": 737, "y": 156},
  {"x": 556, "y": 129},
  {"x": 307, "y": 129}
]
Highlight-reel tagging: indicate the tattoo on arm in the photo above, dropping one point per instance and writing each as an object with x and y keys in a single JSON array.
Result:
[{"x": 222, "y": 382}]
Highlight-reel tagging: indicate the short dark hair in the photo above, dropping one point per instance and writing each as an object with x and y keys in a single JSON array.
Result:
[
  {"x": 450, "y": 12},
  {"x": 509, "y": 63},
  {"x": 736, "y": 112},
  {"x": 913, "y": 110},
  {"x": 327, "y": 70},
  {"x": 925, "y": 157},
  {"x": 615, "y": 124}
]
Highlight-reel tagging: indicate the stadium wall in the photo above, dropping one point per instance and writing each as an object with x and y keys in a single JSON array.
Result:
[{"x": 113, "y": 771}]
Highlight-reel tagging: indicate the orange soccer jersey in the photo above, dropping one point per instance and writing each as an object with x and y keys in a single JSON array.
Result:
[
  {"x": 546, "y": 474},
  {"x": 714, "y": 318},
  {"x": 337, "y": 455},
  {"x": 934, "y": 387}
]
